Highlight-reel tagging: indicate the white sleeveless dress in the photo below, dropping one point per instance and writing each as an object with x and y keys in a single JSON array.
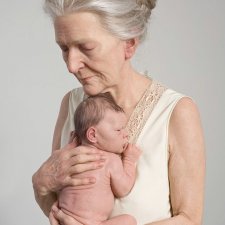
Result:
[{"x": 149, "y": 200}]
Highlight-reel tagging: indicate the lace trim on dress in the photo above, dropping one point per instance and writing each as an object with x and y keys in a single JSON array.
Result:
[{"x": 143, "y": 110}]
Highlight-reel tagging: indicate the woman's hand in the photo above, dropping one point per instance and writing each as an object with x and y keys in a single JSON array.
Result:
[
  {"x": 58, "y": 217},
  {"x": 57, "y": 172}
]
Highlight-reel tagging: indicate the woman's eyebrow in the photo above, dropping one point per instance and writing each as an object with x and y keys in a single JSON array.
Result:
[{"x": 77, "y": 42}]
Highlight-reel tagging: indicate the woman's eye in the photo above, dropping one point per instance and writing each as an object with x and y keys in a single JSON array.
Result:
[{"x": 86, "y": 47}]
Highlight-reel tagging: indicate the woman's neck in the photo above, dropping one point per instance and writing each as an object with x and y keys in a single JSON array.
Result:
[{"x": 130, "y": 90}]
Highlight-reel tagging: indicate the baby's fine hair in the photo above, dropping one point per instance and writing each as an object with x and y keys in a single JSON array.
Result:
[
  {"x": 91, "y": 111},
  {"x": 125, "y": 19}
]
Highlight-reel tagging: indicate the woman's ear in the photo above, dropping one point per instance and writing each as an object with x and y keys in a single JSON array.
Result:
[
  {"x": 91, "y": 135},
  {"x": 130, "y": 47}
]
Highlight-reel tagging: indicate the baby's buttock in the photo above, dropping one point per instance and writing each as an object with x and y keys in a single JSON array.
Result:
[{"x": 93, "y": 203}]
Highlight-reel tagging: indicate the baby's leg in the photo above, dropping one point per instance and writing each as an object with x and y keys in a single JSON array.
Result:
[{"x": 124, "y": 219}]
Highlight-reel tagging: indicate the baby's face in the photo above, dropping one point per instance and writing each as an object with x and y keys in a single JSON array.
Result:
[{"x": 111, "y": 133}]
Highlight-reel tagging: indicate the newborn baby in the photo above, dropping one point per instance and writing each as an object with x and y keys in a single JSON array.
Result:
[{"x": 100, "y": 124}]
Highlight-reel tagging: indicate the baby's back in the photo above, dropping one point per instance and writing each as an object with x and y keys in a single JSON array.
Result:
[{"x": 90, "y": 202}]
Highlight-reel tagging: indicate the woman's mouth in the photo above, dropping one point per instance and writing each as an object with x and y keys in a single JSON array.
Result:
[{"x": 85, "y": 79}]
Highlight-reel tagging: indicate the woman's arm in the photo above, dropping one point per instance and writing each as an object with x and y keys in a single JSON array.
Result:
[
  {"x": 44, "y": 198},
  {"x": 186, "y": 165},
  {"x": 63, "y": 113}
]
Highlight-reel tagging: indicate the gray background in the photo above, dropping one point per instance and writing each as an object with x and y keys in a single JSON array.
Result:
[{"x": 185, "y": 50}]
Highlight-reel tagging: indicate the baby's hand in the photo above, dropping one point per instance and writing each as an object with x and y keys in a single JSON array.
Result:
[{"x": 131, "y": 153}]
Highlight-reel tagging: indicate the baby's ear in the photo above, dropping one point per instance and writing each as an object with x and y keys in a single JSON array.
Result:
[{"x": 91, "y": 135}]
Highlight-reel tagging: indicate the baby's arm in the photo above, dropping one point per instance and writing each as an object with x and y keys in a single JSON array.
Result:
[{"x": 123, "y": 171}]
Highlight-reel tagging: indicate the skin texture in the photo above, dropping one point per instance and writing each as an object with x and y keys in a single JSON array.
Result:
[{"x": 115, "y": 74}]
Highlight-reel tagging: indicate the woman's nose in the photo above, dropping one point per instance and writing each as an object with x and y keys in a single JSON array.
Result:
[{"x": 74, "y": 61}]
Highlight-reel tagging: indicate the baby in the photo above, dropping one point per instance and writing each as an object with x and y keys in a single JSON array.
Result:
[{"x": 100, "y": 123}]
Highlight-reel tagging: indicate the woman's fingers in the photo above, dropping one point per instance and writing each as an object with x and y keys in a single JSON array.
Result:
[
  {"x": 82, "y": 150},
  {"x": 63, "y": 218},
  {"x": 66, "y": 171},
  {"x": 85, "y": 158},
  {"x": 59, "y": 168},
  {"x": 71, "y": 179},
  {"x": 79, "y": 168},
  {"x": 80, "y": 181},
  {"x": 52, "y": 219}
]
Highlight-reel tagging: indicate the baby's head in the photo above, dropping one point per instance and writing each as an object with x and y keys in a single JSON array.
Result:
[{"x": 99, "y": 121}]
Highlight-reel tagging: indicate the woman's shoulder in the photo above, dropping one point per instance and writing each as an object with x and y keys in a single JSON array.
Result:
[
  {"x": 170, "y": 95},
  {"x": 167, "y": 91},
  {"x": 171, "y": 100},
  {"x": 73, "y": 95},
  {"x": 77, "y": 92},
  {"x": 180, "y": 99},
  {"x": 76, "y": 96}
]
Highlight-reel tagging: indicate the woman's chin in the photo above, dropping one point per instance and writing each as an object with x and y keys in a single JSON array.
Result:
[{"x": 91, "y": 90}]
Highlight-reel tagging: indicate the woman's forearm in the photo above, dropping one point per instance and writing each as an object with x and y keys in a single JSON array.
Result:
[
  {"x": 176, "y": 220},
  {"x": 44, "y": 199}
]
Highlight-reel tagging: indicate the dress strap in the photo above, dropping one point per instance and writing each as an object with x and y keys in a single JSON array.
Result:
[{"x": 144, "y": 109}]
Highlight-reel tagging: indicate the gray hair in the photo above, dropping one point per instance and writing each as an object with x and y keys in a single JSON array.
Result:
[{"x": 126, "y": 19}]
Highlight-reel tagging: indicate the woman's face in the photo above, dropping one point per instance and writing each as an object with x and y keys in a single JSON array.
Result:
[{"x": 92, "y": 54}]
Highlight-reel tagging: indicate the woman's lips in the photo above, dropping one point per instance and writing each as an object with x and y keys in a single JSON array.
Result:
[{"x": 86, "y": 79}]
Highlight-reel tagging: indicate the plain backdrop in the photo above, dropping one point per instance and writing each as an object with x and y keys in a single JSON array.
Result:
[{"x": 185, "y": 50}]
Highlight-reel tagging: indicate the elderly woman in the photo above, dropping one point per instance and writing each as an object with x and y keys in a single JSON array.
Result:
[{"x": 98, "y": 38}]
